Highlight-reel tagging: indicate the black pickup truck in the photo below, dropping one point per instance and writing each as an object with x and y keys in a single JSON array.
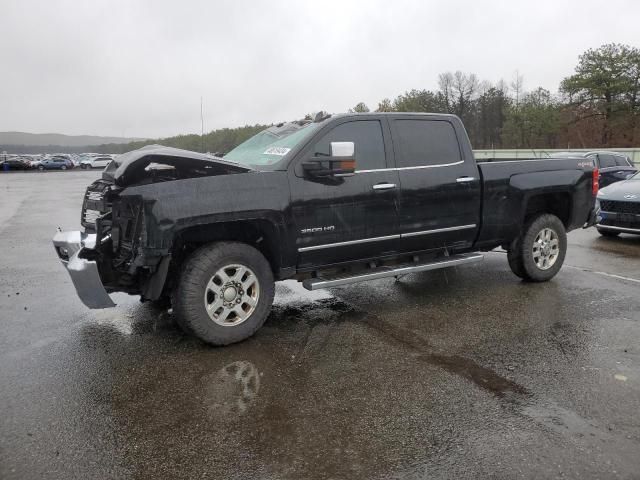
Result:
[{"x": 330, "y": 201}]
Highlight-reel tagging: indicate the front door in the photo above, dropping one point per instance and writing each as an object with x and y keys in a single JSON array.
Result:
[{"x": 339, "y": 219}]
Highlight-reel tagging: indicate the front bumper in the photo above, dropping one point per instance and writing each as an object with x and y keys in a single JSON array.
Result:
[
  {"x": 613, "y": 228},
  {"x": 619, "y": 222},
  {"x": 83, "y": 272}
]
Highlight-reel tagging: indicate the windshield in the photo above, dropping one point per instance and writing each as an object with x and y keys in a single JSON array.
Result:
[
  {"x": 635, "y": 177},
  {"x": 271, "y": 145}
]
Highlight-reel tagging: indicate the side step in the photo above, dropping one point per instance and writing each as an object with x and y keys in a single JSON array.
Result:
[{"x": 382, "y": 272}]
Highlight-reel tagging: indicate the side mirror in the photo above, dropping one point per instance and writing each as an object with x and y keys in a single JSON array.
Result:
[{"x": 341, "y": 162}]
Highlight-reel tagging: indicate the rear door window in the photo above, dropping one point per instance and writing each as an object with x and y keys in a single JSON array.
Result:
[
  {"x": 607, "y": 161},
  {"x": 426, "y": 143},
  {"x": 622, "y": 161}
]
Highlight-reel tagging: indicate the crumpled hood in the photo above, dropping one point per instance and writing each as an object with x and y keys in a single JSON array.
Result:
[
  {"x": 618, "y": 190},
  {"x": 132, "y": 167}
]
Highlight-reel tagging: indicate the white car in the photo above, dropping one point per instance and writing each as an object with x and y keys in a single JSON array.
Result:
[{"x": 96, "y": 162}]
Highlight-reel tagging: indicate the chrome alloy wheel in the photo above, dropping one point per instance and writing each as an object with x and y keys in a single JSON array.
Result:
[
  {"x": 546, "y": 248},
  {"x": 231, "y": 295}
]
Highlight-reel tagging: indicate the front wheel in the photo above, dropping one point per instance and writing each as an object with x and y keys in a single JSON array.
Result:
[
  {"x": 63, "y": 167},
  {"x": 41, "y": 168},
  {"x": 225, "y": 293},
  {"x": 607, "y": 233},
  {"x": 538, "y": 254}
]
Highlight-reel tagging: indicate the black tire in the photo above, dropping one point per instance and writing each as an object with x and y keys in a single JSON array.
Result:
[
  {"x": 520, "y": 255},
  {"x": 41, "y": 168},
  {"x": 162, "y": 303},
  {"x": 63, "y": 167},
  {"x": 189, "y": 296},
  {"x": 607, "y": 233}
]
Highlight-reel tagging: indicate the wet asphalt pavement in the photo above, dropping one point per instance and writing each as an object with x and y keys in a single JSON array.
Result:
[{"x": 460, "y": 373}]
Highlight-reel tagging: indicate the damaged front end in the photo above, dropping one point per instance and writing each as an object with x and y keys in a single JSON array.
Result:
[{"x": 113, "y": 253}]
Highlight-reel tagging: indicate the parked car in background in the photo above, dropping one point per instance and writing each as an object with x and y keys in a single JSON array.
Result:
[
  {"x": 71, "y": 162},
  {"x": 55, "y": 163},
  {"x": 613, "y": 166},
  {"x": 35, "y": 162},
  {"x": 95, "y": 162},
  {"x": 620, "y": 208},
  {"x": 14, "y": 163}
]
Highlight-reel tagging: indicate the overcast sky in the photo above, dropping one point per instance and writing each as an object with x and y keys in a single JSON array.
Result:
[{"x": 139, "y": 68}]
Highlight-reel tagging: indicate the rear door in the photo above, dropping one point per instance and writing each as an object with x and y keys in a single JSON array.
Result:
[
  {"x": 340, "y": 219},
  {"x": 440, "y": 189}
]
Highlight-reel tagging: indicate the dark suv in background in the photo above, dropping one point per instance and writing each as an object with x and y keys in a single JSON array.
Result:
[
  {"x": 613, "y": 166},
  {"x": 14, "y": 164}
]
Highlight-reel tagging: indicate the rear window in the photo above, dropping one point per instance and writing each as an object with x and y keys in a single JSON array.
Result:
[{"x": 426, "y": 143}]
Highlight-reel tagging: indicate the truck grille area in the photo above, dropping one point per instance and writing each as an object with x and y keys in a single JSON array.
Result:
[
  {"x": 126, "y": 230},
  {"x": 620, "y": 207},
  {"x": 96, "y": 204}
]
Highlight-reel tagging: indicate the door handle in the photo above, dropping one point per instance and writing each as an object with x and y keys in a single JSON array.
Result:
[
  {"x": 384, "y": 186},
  {"x": 465, "y": 179}
]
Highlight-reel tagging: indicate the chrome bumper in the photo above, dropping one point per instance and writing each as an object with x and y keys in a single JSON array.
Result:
[{"x": 84, "y": 273}]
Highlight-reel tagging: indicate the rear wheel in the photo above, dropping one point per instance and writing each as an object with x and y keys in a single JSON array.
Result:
[
  {"x": 538, "y": 254},
  {"x": 40, "y": 167},
  {"x": 225, "y": 293},
  {"x": 63, "y": 167},
  {"x": 607, "y": 233}
]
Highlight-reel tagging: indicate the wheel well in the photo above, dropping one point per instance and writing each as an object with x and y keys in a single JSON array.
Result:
[
  {"x": 558, "y": 204},
  {"x": 261, "y": 234}
]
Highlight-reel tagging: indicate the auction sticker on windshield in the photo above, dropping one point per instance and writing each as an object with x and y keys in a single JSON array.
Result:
[{"x": 277, "y": 151}]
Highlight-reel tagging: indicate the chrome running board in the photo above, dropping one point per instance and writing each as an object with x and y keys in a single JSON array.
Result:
[{"x": 382, "y": 272}]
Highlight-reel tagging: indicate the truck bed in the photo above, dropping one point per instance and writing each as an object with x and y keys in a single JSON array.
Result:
[{"x": 508, "y": 185}]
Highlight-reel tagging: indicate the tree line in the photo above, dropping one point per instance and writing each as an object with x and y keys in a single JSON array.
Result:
[{"x": 598, "y": 106}]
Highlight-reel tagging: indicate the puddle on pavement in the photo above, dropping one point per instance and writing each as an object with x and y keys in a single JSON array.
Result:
[
  {"x": 265, "y": 406},
  {"x": 295, "y": 305},
  {"x": 564, "y": 421},
  {"x": 323, "y": 307},
  {"x": 626, "y": 247},
  {"x": 232, "y": 390},
  {"x": 483, "y": 377}
]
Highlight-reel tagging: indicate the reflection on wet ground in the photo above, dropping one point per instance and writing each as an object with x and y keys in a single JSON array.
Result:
[{"x": 339, "y": 384}]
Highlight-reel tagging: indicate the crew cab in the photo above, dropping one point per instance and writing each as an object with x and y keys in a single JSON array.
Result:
[{"x": 329, "y": 201}]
